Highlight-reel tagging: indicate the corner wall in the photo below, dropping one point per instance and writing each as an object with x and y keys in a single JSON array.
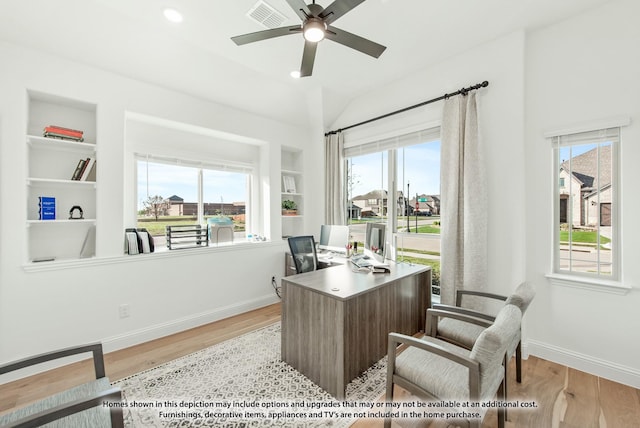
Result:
[
  {"x": 501, "y": 111},
  {"x": 580, "y": 70}
]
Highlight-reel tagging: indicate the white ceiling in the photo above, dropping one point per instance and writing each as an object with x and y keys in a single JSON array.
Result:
[{"x": 132, "y": 38}]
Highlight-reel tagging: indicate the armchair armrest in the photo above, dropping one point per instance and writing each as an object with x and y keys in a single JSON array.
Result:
[
  {"x": 76, "y": 406},
  {"x": 473, "y": 366},
  {"x": 464, "y": 311},
  {"x": 396, "y": 339},
  {"x": 460, "y": 293},
  {"x": 460, "y": 314},
  {"x": 95, "y": 348}
]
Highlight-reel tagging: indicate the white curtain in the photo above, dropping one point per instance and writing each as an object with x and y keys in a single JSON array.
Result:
[
  {"x": 463, "y": 201},
  {"x": 334, "y": 184}
]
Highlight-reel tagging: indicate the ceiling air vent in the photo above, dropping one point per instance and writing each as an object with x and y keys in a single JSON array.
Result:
[{"x": 265, "y": 15}]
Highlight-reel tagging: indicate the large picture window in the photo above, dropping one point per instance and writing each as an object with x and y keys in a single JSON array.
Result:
[
  {"x": 586, "y": 204},
  {"x": 173, "y": 192},
  {"x": 410, "y": 205}
]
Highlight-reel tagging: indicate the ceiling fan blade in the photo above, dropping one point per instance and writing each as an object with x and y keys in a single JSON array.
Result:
[
  {"x": 355, "y": 42},
  {"x": 338, "y": 8},
  {"x": 308, "y": 58},
  {"x": 266, "y": 34},
  {"x": 300, "y": 8}
]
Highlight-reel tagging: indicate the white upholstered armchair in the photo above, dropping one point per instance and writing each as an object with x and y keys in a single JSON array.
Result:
[
  {"x": 431, "y": 368},
  {"x": 465, "y": 334}
]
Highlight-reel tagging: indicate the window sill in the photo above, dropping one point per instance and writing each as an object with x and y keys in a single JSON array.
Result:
[
  {"x": 600, "y": 285},
  {"x": 100, "y": 261}
]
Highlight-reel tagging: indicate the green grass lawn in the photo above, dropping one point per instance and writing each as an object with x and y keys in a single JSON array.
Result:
[
  {"x": 157, "y": 228},
  {"x": 428, "y": 228},
  {"x": 583, "y": 237},
  {"x": 435, "y": 265}
]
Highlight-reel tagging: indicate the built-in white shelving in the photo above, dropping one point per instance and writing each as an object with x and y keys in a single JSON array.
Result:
[
  {"x": 51, "y": 163},
  {"x": 292, "y": 189}
]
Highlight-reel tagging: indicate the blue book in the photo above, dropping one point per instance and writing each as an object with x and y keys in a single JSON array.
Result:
[{"x": 47, "y": 205}]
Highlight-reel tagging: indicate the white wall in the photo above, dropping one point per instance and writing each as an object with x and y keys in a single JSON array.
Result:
[
  {"x": 584, "y": 69},
  {"x": 502, "y": 111},
  {"x": 48, "y": 309}
]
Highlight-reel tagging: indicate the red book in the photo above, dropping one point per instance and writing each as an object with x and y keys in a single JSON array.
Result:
[{"x": 58, "y": 130}]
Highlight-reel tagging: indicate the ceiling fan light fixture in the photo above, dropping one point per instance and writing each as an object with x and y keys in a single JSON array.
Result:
[
  {"x": 314, "y": 30},
  {"x": 295, "y": 74}
]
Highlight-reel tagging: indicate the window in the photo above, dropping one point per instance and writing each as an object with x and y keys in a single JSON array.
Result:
[
  {"x": 410, "y": 206},
  {"x": 586, "y": 204},
  {"x": 174, "y": 192}
]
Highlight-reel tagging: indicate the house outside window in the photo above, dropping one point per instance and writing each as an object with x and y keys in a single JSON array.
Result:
[{"x": 586, "y": 204}]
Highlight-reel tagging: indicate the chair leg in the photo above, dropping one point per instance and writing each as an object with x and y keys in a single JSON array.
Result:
[
  {"x": 519, "y": 362},
  {"x": 504, "y": 382},
  {"x": 389, "y": 399},
  {"x": 502, "y": 411},
  {"x": 391, "y": 360}
]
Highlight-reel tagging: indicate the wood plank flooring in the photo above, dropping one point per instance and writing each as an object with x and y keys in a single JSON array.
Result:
[{"x": 566, "y": 398}]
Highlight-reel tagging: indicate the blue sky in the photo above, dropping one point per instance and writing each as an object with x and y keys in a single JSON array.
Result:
[
  {"x": 419, "y": 165},
  {"x": 169, "y": 180}
]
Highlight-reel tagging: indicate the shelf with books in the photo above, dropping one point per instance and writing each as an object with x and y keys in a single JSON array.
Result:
[
  {"x": 55, "y": 182},
  {"x": 61, "y": 140},
  {"x": 57, "y": 144}
]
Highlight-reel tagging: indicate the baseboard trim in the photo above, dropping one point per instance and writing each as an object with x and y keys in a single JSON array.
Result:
[
  {"x": 137, "y": 337},
  {"x": 595, "y": 366},
  {"x": 157, "y": 331}
]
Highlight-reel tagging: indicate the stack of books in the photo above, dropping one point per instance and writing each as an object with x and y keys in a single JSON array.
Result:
[
  {"x": 85, "y": 170},
  {"x": 54, "y": 131}
]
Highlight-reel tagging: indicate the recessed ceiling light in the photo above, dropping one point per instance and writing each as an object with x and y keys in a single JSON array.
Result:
[
  {"x": 173, "y": 15},
  {"x": 295, "y": 74}
]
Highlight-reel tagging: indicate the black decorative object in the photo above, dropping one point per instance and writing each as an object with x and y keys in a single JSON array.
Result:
[{"x": 72, "y": 213}]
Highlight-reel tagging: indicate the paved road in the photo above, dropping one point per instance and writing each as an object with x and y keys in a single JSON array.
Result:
[{"x": 418, "y": 241}]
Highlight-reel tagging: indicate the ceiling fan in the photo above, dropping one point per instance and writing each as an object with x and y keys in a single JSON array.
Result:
[{"x": 316, "y": 26}]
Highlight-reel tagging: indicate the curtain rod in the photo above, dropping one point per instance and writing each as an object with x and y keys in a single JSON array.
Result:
[{"x": 462, "y": 91}]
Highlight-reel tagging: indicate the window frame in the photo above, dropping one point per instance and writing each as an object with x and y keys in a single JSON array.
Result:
[
  {"x": 200, "y": 166},
  {"x": 390, "y": 145},
  {"x": 582, "y": 280}
]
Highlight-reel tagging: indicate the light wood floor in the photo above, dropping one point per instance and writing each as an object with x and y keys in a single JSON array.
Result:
[{"x": 566, "y": 398}]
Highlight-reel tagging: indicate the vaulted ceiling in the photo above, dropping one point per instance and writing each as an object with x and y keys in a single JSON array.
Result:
[{"x": 197, "y": 56}]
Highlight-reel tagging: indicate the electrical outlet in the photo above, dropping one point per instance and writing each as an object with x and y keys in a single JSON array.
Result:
[{"x": 124, "y": 310}]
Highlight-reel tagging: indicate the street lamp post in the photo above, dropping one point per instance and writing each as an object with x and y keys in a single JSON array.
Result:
[
  {"x": 408, "y": 225},
  {"x": 416, "y": 212}
]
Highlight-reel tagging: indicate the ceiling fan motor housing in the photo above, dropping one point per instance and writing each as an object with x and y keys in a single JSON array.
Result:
[{"x": 315, "y": 9}]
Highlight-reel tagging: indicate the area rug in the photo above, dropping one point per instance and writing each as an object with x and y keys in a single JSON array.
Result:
[{"x": 242, "y": 382}]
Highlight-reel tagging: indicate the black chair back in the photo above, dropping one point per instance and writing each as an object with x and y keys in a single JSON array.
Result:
[{"x": 303, "y": 251}]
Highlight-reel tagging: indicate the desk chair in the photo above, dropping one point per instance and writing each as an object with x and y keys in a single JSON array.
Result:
[{"x": 303, "y": 251}]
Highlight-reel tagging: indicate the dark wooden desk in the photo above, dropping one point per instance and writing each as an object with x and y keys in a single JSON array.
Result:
[{"x": 335, "y": 322}]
